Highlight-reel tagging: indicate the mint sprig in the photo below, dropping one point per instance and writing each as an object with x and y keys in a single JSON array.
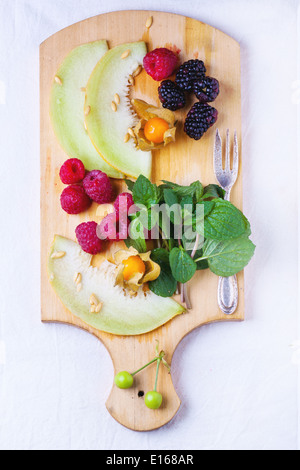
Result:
[{"x": 225, "y": 249}]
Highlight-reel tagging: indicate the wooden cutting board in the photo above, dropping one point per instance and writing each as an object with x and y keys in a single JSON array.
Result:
[{"x": 183, "y": 162}]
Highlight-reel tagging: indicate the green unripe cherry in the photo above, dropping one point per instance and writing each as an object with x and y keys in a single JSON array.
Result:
[
  {"x": 124, "y": 380},
  {"x": 153, "y": 400}
]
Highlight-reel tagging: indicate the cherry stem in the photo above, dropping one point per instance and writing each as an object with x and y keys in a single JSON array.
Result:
[
  {"x": 157, "y": 358},
  {"x": 144, "y": 367},
  {"x": 157, "y": 371}
]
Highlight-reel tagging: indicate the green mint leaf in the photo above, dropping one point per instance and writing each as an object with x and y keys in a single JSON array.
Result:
[
  {"x": 144, "y": 192},
  {"x": 187, "y": 202},
  {"x": 182, "y": 266},
  {"x": 165, "y": 285},
  {"x": 171, "y": 200},
  {"x": 130, "y": 184},
  {"x": 213, "y": 191},
  {"x": 146, "y": 217},
  {"x": 198, "y": 188},
  {"x": 188, "y": 240},
  {"x": 208, "y": 207},
  {"x": 137, "y": 236},
  {"x": 224, "y": 222},
  {"x": 228, "y": 257},
  {"x": 160, "y": 194},
  {"x": 195, "y": 190},
  {"x": 248, "y": 227},
  {"x": 139, "y": 244},
  {"x": 201, "y": 265},
  {"x": 160, "y": 256},
  {"x": 170, "y": 197}
]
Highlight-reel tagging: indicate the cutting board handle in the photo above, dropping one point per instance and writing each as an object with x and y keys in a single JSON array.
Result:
[{"x": 128, "y": 406}]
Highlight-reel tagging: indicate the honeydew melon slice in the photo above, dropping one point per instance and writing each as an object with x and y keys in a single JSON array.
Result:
[
  {"x": 67, "y": 106},
  {"x": 120, "y": 314},
  {"x": 107, "y": 128}
]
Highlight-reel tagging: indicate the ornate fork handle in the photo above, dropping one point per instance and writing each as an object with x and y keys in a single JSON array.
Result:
[{"x": 228, "y": 294}]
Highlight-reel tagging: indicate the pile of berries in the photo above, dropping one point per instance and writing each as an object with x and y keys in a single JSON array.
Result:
[
  {"x": 84, "y": 188},
  {"x": 190, "y": 78}
]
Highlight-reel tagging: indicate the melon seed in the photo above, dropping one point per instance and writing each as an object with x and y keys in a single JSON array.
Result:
[
  {"x": 93, "y": 300},
  {"x": 58, "y": 80},
  {"x": 125, "y": 54},
  {"x": 130, "y": 132},
  {"x": 98, "y": 308},
  {"x": 77, "y": 278},
  {"x": 137, "y": 71},
  {"x": 149, "y": 22},
  {"x": 58, "y": 254}
]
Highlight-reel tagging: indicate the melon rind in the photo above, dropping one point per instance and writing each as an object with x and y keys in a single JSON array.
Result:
[
  {"x": 120, "y": 315},
  {"x": 67, "y": 106},
  {"x": 107, "y": 129}
]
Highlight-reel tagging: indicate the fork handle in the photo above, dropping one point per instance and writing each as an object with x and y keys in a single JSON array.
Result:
[
  {"x": 227, "y": 195},
  {"x": 228, "y": 294}
]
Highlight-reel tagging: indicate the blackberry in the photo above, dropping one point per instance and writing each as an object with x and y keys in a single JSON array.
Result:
[
  {"x": 206, "y": 89},
  {"x": 200, "y": 118},
  {"x": 188, "y": 72},
  {"x": 171, "y": 96}
]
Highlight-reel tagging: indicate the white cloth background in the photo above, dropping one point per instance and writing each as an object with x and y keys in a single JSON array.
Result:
[{"x": 237, "y": 382}]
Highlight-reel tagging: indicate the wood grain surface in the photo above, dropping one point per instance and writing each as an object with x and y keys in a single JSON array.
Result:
[{"x": 183, "y": 162}]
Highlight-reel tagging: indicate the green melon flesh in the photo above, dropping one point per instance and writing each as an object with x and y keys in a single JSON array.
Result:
[
  {"x": 120, "y": 315},
  {"x": 107, "y": 128},
  {"x": 67, "y": 106}
]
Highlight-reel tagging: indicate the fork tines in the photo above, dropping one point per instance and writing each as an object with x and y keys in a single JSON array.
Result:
[{"x": 218, "y": 161}]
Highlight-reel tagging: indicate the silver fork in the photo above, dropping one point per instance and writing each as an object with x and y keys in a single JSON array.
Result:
[{"x": 228, "y": 286}]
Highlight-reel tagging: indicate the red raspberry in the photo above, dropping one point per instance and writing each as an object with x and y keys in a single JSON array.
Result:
[
  {"x": 123, "y": 203},
  {"x": 113, "y": 229},
  {"x": 160, "y": 63},
  {"x": 74, "y": 199},
  {"x": 87, "y": 237},
  {"x": 98, "y": 187},
  {"x": 72, "y": 171}
]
